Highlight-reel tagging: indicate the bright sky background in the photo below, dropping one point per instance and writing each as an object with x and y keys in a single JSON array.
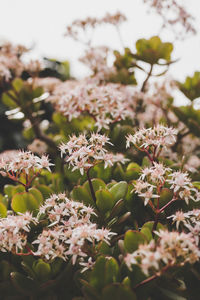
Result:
[{"x": 41, "y": 23}]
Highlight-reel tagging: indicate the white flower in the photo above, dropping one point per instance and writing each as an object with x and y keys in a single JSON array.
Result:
[
  {"x": 156, "y": 138},
  {"x": 83, "y": 152},
  {"x": 171, "y": 249},
  {"x": 178, "y": 218},
  {"x": 38, "y": 146},
  {"x": 14, "y": 230},
  {"x": 69, "y": 229},
  {"x": 107, "y": 104},
  {"x": 148, "y": 195},
  {"x": 22, "y": 161}
]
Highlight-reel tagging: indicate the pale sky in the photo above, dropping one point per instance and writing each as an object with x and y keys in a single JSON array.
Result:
[{"x": 42, "y": 23}]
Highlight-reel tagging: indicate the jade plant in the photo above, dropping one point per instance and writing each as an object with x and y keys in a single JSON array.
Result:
[{"x": 100, "y": 191}]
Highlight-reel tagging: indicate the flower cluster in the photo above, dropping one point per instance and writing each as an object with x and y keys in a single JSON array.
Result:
[
  {"x": 38, "y": 146},
  {"x": 189, "y": 221},
  {"x": 83, "y": 152},
  {"x": 174, "y": 14},
  {"x": 96, "y": 58},
  {"x": 11, "y": 64},
  {"x": 14, "y": 230},
  {"x": 172, "y": 248},
  {"x": 78, "y": 27},
  {"x": 70, "y": 229},
  {"x": 23, "y": 163},
  {"x": 106, "y": 104},
  {"x": 154, "y": 179},
  {"x": 153, "y": 139}
]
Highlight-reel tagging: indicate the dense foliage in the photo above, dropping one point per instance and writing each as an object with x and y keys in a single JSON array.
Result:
[{"x": 102, "y": 201}]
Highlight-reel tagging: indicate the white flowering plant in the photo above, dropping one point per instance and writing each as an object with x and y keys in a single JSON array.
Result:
[{"x": 99, "y": 177}]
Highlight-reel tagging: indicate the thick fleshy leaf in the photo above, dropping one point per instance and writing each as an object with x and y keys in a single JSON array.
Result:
[
  {"x": 23, "y": 284},
  {"x": 118, "y": 292},
  {"x": 133, "y": 171},
  {"x": 37, "y": 194},
  {"x": 42, "y": 270},
  {"x": 165, "y": 196},
  {"x": 133, "y": 239},
  {"x": 111, "y": 271},
  {"x": 81, "y": 194},
  {"x": 96, "y": 183},
  {"x": 45, "y": 190},
  {"x": 23, "y": 202},
  {"x": 104, "y": 200},
  {"x": 3, "y": 210},
  {"x": 97, "y": 276},
  {"x": 8, "y": 190},
  {"x": 152, "y": 50},
  {"x": 119, "y": 190}
]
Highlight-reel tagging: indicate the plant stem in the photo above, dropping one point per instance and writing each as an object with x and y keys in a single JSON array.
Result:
[
  {"x": 147, "y": 78},
  {"x": 155, "y": 223},
  {"x": 152, "y": 277},
  {"x": 166, "y": 205},
  {"x": 40, "y": 135},
  {"x": 91, "y": 186}
]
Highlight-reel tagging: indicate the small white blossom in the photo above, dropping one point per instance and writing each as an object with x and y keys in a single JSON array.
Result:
[
  {"x": 69, "y": 229},
  {"x": 154, "y": 139},
  {"x": 82, "y": 152},
  {"x": 14, "y": 230},
  {"x": 171, "y": 249}
]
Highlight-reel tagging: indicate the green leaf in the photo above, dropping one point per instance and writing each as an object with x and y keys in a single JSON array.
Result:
[
  {"x": 24, "y": 285},
  {"x": 104, "y": 200},
  {"x": 42, "y": 270},
  {"x": 103, "y": 248},
  {"x": 8, "y": 189},
  {"x": 89, "y": 291},
  {"x": 97, "y": 277},
  {"x": 8, "y": 101},
  {"x": 149, "y": 225},
  {"x": 100, "y": 171},
  {"x": 118, "y": 292},
  {"x": 118, "y": 136},
  {"x": 18, "y": 189},
  {"x": 146, "y": 231},
  {"x": 133, "y": 171},
  {"x": 45, "y": 190},
  {"x": 37, "y": 194},
  {"x": 56, "y": 266},
  {"x": 81, "y": 194},
  {"x": 24, "y": 202},
  {"x": 196, "y": 184},
  {"x": 5, "y": 269},
  {"x": 171, "y": 295},
  {"x": 119, "y": 190},
  {"x": 133, "y": 239},
  {"x": 111, "y": 271},
  {"x": 152, "y": 50},
  {"x": 191, "y": 87},
  {"x": 3, "y": 210},
  {"x": 118, "y": 173},
  {"x": 96, "y": 183},
  {"x": 130, "y": 197},
  {"x": 117, "y": 208},
  {"x": 165, "y": 196},
  {"x": 17, "y": 84}
]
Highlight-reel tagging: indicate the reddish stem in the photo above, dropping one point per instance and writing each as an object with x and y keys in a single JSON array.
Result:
[
  {"x": 30, "y": 252},
  {"x": 166, "y": 205},
  {"x": 91, "y": 186},
  {"x": 152, "y": 277}
]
